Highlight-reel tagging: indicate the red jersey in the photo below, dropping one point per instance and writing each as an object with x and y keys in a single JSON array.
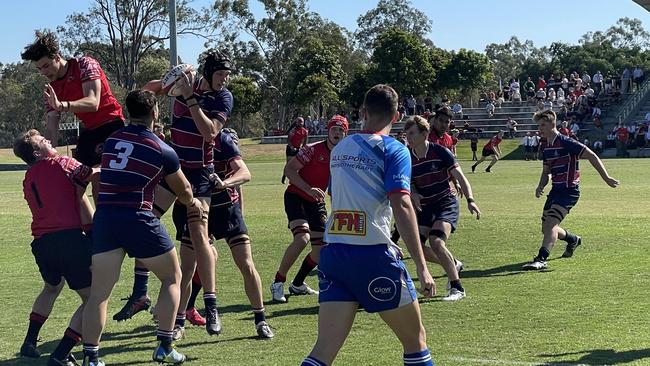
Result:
[
  {"x": 315, "y": 159},
  {"x": 622, "y": 134},
  {"x": 445, "y": 140},
  {"x": 69, "y": 88},
  {"x": 296, "y": 136},
  {"x": 564, "y": 131},
  {"x": 494, "y": 142},
  {"x": 50, "y": 191}
]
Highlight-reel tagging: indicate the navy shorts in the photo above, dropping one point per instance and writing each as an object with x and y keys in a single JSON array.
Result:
[
  {"x": 371, "y": 275},
  {"x": 446, "y": 209},
  {"x": 199, "y": 180},
  {"x": 90, "y": 143},
  {"x": 487, "y": 152},
  {"x": 298, "y": 208},
  {"x": 66, "y": 254},
  {"x": 564, "y": 197},
  {"x": 291, "y": 151},
  {"x": 138, "y": 232},
  {"x": 224, "y": 222}
]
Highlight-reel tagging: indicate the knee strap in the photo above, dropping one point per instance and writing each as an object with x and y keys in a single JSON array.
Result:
[
  {"x": 240, "y": 240},
  {"x": 300, "y": 229},
  {"x": 197, "y": 216},
  {"x": 316, "y": 242},
  {"x": 423, "y": 239},
  {"x": 438, "y": 234}
]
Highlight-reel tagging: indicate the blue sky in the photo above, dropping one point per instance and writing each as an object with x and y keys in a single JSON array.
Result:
[{"x": 457, "y": 24}]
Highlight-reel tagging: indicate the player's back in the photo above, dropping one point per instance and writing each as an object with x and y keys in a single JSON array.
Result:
[
  {"x": 365, "y": 169},
  {"x": 133, "y": 163}
]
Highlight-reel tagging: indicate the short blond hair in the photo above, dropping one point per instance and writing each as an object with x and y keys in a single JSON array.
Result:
[
  {"x": 419, "y": 121},
  {"x": 547, "y": 115}
]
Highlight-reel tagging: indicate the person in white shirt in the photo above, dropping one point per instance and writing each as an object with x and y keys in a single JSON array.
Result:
[
  {"x": 575, "y": 128},
  {"x": 511, "y": 125},
  {"x": 637, "y": 77},
  {"x": 535, "y": 144},
  {"x": 457, "y": 108},
  {"x": 489, "y": 108},
  {"x": 527, "y": 142},
  {"x": 552, "y": 96},
  {"x": 589, "y": 92},
  {"x": 586, "y": 79},
  {"x": 647, "y": 117},
  {"x": 598, "y": 82},
  {"x": 596, "y": 112}
]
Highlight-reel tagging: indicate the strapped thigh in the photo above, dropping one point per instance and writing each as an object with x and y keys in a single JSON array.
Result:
[{"x": 242, "y": 239}]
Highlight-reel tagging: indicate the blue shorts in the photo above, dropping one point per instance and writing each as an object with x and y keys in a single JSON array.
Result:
[
  {"x": 371, "y": 275},
  {"x": 562, "y": 196},
  {"x": 199, "y": 180},
  {"x": 446, "y": 209},
  {"x": 138, "y": 232}
]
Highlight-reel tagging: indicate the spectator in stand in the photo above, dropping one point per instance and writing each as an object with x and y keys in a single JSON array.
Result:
[
  {"x": 514, "y": 87},
  {"x": 489, "y": 108},
  {"x": 473, "y": 143},
  {"x": 535, "y": 144},
  {"x": 158, "y": 131},
  {"x": 511, "y": 125},
  {"x": 625, "y": 81},
  {"x": 506, "y": 92},
  {"x": 596, "y": 112},
  {"x": 457, "y": 108},
  {"x": 530, "y": 95},
  {"x": 444, "y": 102},
  {"x": 410, "y": 105},
  {"x": 586, "y": 79},
  {"x": 541, "y": 83},
  {"x": 597, "y": 123},
  {"x": 637, "y": 76},
  {"x": 639, "y": 138},
  {"x": 647, "y": 118},
  {"x": 527, "y": 143},
  {"x": 528, "y": 85},
  {"x": 516, "y": 97},
  {"x": 578, "y": 82},
  {"x": 547, "y": 105},
  {"x": 574, "y": 128},
  {"x": 401, "y": 109},
  {"x": 564, "y": 130},
  {"x": 590, "y": 92},
  {"x": 491, "y": 97},
  {"x": 598, "y": 147},
  {"x": 540, "y": 95},
  {"x": 622, "y": 136},
  {"x": 401, "y": 137},
  {"x": 500, "y": 100},
  {"x": 560, "y": 96},
  {"x": 564, "y": 84},
  {"x": 419, "y": 105},
  {"x": 552, "y": 96},
  {"x": 428, "y": 102},
  {"x": 631, "y": 129},
  {"x": 597, "y": 80}
]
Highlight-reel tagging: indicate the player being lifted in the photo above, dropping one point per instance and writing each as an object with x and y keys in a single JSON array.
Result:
[
  {"x": 490, "y": 149},
  {"x": 54, "y": 189},
  {"x": 370, "y": 180},
  {"x": 560, "y": 163},
  {"x": 304, "y": 203},
  {"x": 436, "y": 206}
]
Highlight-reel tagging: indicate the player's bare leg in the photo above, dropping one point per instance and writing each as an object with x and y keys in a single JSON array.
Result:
[
  {"x": 301, "y": 236},
  {"x": 335, "y": 320},
  {"x": 406, "y": 323}
]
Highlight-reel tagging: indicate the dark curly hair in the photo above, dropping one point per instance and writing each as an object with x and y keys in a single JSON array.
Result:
[{"x": 45, "y": 44}]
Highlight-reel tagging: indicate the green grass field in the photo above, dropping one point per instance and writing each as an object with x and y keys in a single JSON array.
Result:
[{"x": 587, "y": 310}]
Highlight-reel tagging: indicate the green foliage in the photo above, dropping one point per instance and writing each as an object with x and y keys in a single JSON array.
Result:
[
  {"x": 466, "y": 71},
  {"x": 388, "y": 14},
  {"x": 248, "y": 100}
]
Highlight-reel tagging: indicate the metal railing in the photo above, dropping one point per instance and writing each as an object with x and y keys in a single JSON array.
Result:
[{"x": 632, "y": 103}]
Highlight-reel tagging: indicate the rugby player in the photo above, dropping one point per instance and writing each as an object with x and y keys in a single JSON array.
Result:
[
  {"x": 297, "y": 137},
  {"x": 490, "y": 149}
]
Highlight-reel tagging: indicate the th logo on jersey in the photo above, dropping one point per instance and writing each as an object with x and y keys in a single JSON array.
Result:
[{"x": 348, "y": 223}]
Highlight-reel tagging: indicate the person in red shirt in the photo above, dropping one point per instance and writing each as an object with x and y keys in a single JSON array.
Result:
[
  {"x": 304, "y": 203},
  {"x": 78, "y": 86},
  {"x": 622, "y": 137},
  {"x": 541, "y": 83},
  {"x": 490, "y": 149},
  {"x": 564, "y": 130},
  {"x": 297, "y": 137},
  {"x": 440, "y": 122},
  {"x": 54, "y": 188}
]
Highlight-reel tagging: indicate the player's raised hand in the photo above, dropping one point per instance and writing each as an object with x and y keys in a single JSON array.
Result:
[
  {"x": 612, "y": 182},
  {"x": 52, "y": 99},
  {"x": 317, "y": 194},
  {"x": 427, "y": 284},
  {"x": 186, "y": 84},
  {"x": 539, "y": 191}
]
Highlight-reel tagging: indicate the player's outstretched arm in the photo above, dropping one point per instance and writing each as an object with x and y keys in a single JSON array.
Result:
[
  {"x": 291, "y": 171},
  {"x": 154, "y": 86},
  {"x": 466, "y": 189},
  {"x": 599, "y": 166},
  {"x": 52, "y": 127},
  {"x": 407, "y": 227},
  {"x": 543, "y": 180}
]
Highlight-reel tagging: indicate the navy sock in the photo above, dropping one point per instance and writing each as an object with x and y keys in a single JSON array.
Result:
[
  {"x": 456, "y": 284},
  {"x": 210, "y": 300},
  {"x": 91, "y": 351},
  {"x": 259, "y": 315},
  {"x": 422, "y": 358},
  {"x": 312, "y": 361},
  {"x": 140, "y": 282},
  {"x": 180, "y": 320},
  {"x": 70, "y": 339},
  {"x": 570, "y": 237},
  {"x": 307, "y": 266},
  {"x": 35, "y": 323},
  {"x": 165, "y": 338},
  {"x": 543, "y": 254}
]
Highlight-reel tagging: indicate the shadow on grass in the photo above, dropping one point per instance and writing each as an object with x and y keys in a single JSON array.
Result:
[
  {"x": 600, "y": 357},
  {"x": 313, "y": 310},
  {"x": 505, "y": 270},
  {"x": 12, "y": 167}
]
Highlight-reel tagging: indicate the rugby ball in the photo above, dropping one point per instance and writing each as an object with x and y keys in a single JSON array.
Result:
[{"x": 172, "y": 76}]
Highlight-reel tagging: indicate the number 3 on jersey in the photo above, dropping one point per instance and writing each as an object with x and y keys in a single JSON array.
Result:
[{"x": 125, "y": 149}]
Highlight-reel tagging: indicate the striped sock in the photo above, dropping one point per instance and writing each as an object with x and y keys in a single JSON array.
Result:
[
  {"x": 140, "y": 282},
  {"x": 259, "y": 315},
  {"x": 180, "y": 319},
  {"x": 165, "y": 338},
  {"x": 210, "y": 300},
  {"x": 91, "y": 351},
  {"x": 422, "y": 358},
  {"x": 312, "y": 361}
]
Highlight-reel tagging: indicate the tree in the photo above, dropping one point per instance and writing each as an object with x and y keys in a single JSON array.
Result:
[
  {"x": 247, "y": 101},
  {"x": 388, "y": 14},
  {"x": 467, "y": 71},
  {"x": 402, "y": 60},
  {"x": 120, "y": 33}
]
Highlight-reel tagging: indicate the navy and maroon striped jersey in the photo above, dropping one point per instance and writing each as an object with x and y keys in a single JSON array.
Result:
[
  {"x": 561, "y": 156},
  {"x": 133, "y": 163},
  {"x": 431, "y": 173},
  {"x": 226, "y": 149},
  {"x": 192, "y": 149},
  {"x": 50, "y": 191}
]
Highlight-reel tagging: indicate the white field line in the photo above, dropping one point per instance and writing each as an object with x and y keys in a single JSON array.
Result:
[{"x": 487, "y": 361}]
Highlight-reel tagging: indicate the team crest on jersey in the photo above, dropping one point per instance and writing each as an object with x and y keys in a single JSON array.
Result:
[
  {"x": 348, "y": 223},
  {"x": 321, "y": 158}
]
